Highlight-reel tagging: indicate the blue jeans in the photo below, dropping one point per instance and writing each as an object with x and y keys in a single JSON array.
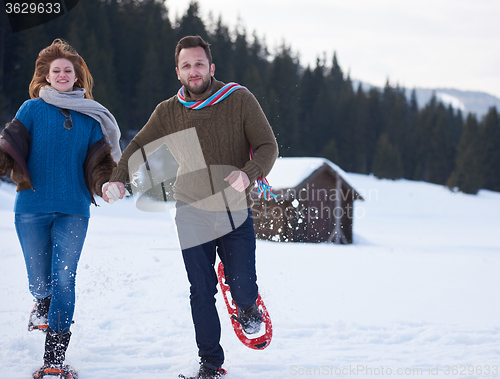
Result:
[
  {"x": 236, "y": 250},
  {"x": 52, "y": 244}
]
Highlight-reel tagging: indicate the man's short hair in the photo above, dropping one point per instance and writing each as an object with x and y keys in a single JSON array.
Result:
[{"x": 189, "y": 42}]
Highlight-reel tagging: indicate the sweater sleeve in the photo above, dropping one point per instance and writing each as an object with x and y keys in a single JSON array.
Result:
[
  {"x": 152, "y": 131},
  {"x": 261, "y": 138}
]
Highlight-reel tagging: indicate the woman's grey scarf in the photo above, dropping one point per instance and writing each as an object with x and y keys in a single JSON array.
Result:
[{"x": 76, "y": 101}]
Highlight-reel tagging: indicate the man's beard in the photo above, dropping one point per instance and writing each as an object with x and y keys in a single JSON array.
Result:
[{"x": 198, "y": 90}]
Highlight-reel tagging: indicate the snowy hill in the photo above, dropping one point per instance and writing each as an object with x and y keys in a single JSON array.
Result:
[
  {"x": 415, "y": 295},
  {"x": 474, "y": 102}
]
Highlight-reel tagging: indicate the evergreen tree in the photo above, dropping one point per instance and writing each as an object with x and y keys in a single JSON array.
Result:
[
  {"x": 343, "y": 127},
  {"x": 444, "y": 148},
  {"x": 99, "y": 58},
  {"x": 435, "y": 147},
  {"x": 127, "y": 23},
  {"x": 3, "y": 38},
  {"x": 221, "y": 46},
  {"x": 468, "y": 174},
  {"x": 256, "y": 76},
  {"x": 336, "y": 77},
  {"x": 307, "y": 92},
  {"x": 154, "y": 83},
  {"x": 3, "y": 105},
  {"x": 241, "y": 57},
  {"x": 396, "y": 114},
  {"x": 283, "y": 81},
  {"x": 165, "y": 46},
  {"x": 375, "y": 116},
  {"x": 317, "y": 112},
  {"x": 490, "y": 142},
  {"x": 457, "y": 124},
  {"x": 387, "y": 161},
  {"x": 29, "y": 44},
  {"x": 191, "y": 23},
  {"x": 95, "y": 46},
  {"x": 408, "y": 149},
  {"x": 361, "y": 132},
  {"x": 149, "y": 87},
  {"x": 330, "y": 151},
  {"x": 340, "y": 115}
]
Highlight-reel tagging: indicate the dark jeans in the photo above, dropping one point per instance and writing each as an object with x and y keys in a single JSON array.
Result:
[
  {"x": 52, "y": 244},
  {"x": 236, "y": 250}
]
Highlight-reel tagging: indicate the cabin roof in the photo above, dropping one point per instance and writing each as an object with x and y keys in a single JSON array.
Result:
[{"x": 291, "y": 172}]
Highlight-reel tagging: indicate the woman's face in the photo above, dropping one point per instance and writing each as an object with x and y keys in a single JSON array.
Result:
[{"x": 62, "y": 75}]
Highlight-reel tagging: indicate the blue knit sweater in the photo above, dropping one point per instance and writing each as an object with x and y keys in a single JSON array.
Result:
[{"x": 56, "y": 159}]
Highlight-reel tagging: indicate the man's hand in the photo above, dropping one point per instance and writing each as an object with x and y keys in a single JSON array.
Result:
[
  {"x": 113, "y": 191},
  {"x": 238, "y": 180}
]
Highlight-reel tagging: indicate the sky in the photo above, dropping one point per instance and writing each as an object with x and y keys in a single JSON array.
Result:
[{"x": 413, "y": 43}]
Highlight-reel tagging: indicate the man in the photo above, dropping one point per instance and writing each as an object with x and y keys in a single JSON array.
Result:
[{"x": 210, "y": 128}]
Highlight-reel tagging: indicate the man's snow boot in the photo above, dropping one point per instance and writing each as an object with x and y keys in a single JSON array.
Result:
[
  {"x": 207, "y": 371},
  {"x": 250, "y": 319},
  {"x": 39, "y": 316}
]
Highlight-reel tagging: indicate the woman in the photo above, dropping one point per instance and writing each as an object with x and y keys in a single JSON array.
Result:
[{"x": 61, "y": 147}]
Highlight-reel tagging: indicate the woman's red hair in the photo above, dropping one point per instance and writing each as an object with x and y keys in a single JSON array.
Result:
[{"x": 60, "y": 49}]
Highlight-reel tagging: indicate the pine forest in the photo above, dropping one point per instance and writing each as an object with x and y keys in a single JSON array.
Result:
[{"x": 314, "y": 111}]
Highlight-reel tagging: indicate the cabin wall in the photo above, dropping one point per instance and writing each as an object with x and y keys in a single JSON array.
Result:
[{"x": 307, "y": 215}]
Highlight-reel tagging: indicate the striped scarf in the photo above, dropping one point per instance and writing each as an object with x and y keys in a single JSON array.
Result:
[
  {"x": 214, "y": 99},
  {"x": 262, "y": 184}
]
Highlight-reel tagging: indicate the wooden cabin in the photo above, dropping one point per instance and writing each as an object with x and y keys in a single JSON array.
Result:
[{"x": 314, "y": 203}]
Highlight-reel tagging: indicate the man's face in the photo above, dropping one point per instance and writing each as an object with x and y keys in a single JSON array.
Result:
[{"x": 194, "y": 71}]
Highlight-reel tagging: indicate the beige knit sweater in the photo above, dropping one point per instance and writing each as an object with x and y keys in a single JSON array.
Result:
[{"x": 207, "y": 144}]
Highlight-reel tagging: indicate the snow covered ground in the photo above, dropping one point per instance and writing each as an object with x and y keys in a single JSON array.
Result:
[{"x": 416, "y": 295}]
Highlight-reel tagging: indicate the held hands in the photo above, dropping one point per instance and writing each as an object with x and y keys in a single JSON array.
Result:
[
  {"x": 113, "y": 191},
  {"x": 238, "y": 180}
]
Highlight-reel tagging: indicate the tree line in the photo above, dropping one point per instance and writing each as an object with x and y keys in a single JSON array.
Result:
[{"x": 314, "y": 111}]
